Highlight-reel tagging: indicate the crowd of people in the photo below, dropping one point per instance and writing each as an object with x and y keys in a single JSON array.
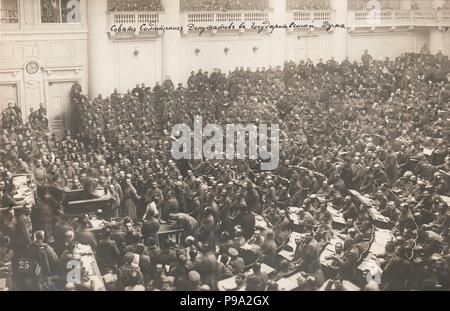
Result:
[
  {"x": 135, "y": 5},
  {"x": 308, "y": 5},
  {"x": 260, "y": 5},
  {"x": 189, "y": 5},
  {"x": 379, "y": 127},
  {"x": 396, "y": 4},
  {"x": 224, "y": 5}
]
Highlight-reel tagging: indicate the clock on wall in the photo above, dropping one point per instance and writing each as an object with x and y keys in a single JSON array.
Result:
[{"x": 32, "y": 67}]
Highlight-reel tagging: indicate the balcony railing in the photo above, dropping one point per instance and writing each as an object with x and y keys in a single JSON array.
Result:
[
  {"x": 394, "y": 18},
  {"x": 315, "y": 18},
  {"x": 135, "y": 19},
  {"x": 9, "y": 17},
  {"x": 223, "y": 18}
]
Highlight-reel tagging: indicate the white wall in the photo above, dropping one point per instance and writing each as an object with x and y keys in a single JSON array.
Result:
[
  {"x": 131, "y": 69},
  {"x": 313, "y": 45},
  {"x": 446, "y": 44},
  {"x": 380, "y": 45},
  {"x": 59, "y": 50},
  {"x": 60, "y": 57},
  {"x": 212, "y": 52}
]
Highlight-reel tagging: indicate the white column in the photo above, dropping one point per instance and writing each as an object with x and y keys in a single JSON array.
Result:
[
  {"x": 339, "y": 35},
  {"x": 436, "y": 41},
  {"x": 171, "y": 43},
  {"x": 278, "y": 37},
  {"x": 100, "y": 50}
]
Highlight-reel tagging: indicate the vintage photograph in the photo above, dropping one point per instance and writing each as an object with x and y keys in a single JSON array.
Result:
[{"x": 224, "y": 146}]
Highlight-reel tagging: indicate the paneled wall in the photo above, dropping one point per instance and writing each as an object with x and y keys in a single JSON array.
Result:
[
  {"x": 301, "y": 46},
  {"x": 136, "y": 62},
  {"x": 386, "y": 44},
  {"x": 225, "y": 52},
  {"x": 35, "y": 57}
]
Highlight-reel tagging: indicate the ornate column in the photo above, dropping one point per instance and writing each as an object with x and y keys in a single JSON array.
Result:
[
  {"x": 100, "y": 50},
  {"x": 339, "y": 35},
  {"x": 171, "y": 43},
  {"x": 278, "y": 37}
]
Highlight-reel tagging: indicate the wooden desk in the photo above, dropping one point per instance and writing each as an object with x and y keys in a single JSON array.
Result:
[
  {"x": 260, "y": 223},
  {"x": 337, "y": 216},
  {"x": 293, "y": 215},
  {"x": 289, "y": 255},
  {"x": 90, "y": 263},
  {"x": 378, "y": 217},
  {"x": 346, "y": 286},
  {"x": 24, "y": 191},
  {"x": 378, "y": 247},
  {"x": 446, "y": 199},
  {"x": 230, "y": 283},
  {"x": 5, "y": 278},
  {"x": 381, "y": 238},
  {"x": 168, "y": 231},
  {"x": 288, "y": 284},
  {"x": 363, "y": 199},
  {"x": 330, "y": 251}
]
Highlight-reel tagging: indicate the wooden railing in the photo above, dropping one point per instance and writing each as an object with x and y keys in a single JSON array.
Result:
[
  {"x": 202, "y": 6},
  {"x": 218, "y": 18},
  {"x": 393, "y": 18},
  {"x": 133, "y": 18},
  {"x": 9, "y": 17},
  {"x": 316, "y": 18}
]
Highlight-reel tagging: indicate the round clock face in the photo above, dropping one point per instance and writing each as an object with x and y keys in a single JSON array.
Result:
[{"x": 32, "y": 68}]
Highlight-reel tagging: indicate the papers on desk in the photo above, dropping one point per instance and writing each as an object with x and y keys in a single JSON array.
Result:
[
  {"x": 377, "y": 216},
  {"x": 293, "y": 215},
  {"x": 89, "y": 262},
  {"x": 428, "y": 151},
  {"x": 260, "y": 223},
  {"x": 288, "y": 284},
  {"x": 99, "y": 192},
  {"x": 289, "y": 255},
  {"x": 378, "y": 246},
  {"x": 330, "y": 251},
  {"x": 337, "y": 216},
  {"x": 364, "y": 200},
  {"x": 369, "y": 264},
  {"x": 382, "y": 237},
  {"x": 264, "y": 269},
  {"x": 24, "y": 192},
  {"x": 230, "y": 283},
  {"x": 446, "y": 199},
  {"x": 110, "y": 278},
  {"x": 82, "y": 249},
  {"x": 97, "y": 224},
  {"x": 3, "y": 286},
  {"x": 346, "y": 286}
]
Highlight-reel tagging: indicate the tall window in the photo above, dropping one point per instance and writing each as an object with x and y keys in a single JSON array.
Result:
[
  {"x": 61, "y": 11},
  {"x": 9, "y": 12}
]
